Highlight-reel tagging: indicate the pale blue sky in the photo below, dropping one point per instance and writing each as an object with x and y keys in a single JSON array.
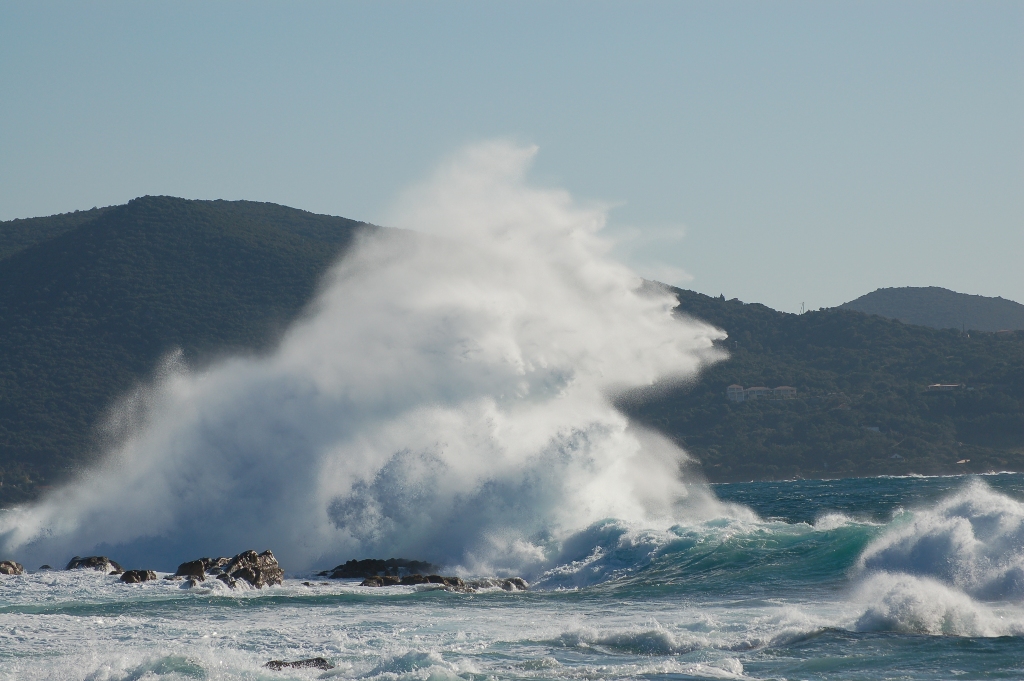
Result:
[{"x": 779, "y": 152}]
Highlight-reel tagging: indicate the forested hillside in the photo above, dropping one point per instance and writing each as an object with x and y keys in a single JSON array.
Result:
[
  {"x": 90, "y": 302},
  {"x": 862, "y": 405},
  {"x": 941, "y": 308}
]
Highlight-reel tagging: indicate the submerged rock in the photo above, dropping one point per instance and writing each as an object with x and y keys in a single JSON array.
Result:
[
  {"x": 308, "y": 663},
  {"x": 257, "y": 569},
  {"x": 372, "y": 567},
  {"x": 451, "y": 583},
  {"x": 136, "y": 576},
  {"x": 381, "y": 580},
  {"x": 506, "y": 583},
  {"x": 94, "y": 563},
  {"x": 45, "y": 567},
  {"x": 9, "y": 567}
]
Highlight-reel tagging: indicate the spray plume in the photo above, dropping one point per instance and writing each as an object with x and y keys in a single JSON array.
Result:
[{"x": 448, "y": 397}]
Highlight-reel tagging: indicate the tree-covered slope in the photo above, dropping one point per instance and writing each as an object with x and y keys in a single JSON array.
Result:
[
  {"x": 862, "y": 405},
  {"x": 941, "y": 308},
  {"x": 90, "y": 301}
]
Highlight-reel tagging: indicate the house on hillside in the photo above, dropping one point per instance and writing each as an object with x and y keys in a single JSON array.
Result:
[
  {"x": 737, "y": 393},
  {"x": 759, "y": 393}
]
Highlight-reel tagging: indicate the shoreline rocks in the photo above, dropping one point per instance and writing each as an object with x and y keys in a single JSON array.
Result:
[
  {"x": 308, "y": 663},
  {"x": 450, "y": 583},
  {"x": 373, "y": 567},
  {"x": 94, "y": 563},
  {"x": 136, "y": 576},
  {"x": 256, "y": 569},
  {"x": 9, "y": 567}
]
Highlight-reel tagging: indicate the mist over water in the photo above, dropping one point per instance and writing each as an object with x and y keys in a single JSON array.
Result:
[{"x": 448, "y": 397}]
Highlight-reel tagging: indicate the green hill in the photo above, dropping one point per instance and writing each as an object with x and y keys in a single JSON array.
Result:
[
  {"x": 941, "y": 308},
  {"x": 90, "y": 301},
  {"x": 862, "y": 405}
]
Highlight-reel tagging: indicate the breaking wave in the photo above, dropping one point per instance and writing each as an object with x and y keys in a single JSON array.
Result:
[
  {"x": 448, "y": 397},
  {"x": 947, "y": 568}
]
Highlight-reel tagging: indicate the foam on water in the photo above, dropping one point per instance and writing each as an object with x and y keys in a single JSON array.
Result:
[
  {"x": 733, "y": 597},
  {"x": 973, "y": 540},
  {"x": 931, "y": 567},
  {"x": 921, "y": 605}
]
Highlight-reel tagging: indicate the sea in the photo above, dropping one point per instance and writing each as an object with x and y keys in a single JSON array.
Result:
[{"x": 882, "y": 578}]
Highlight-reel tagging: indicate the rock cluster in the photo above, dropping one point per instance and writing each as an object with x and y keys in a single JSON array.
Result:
[
  {"x": 452, "y": 583},
  {"x": 136, "y": 576},
  {"x": 9, "y": 567},
  {"x": 506, "y": 584},
  {"x": 256, "y": 569},
  {"x": 308, "y": 663},
  {"x": 371, "y": 567},
  {"x": 95, "y": 563}
]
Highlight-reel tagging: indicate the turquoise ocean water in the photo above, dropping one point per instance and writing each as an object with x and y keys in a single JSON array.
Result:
[{"x": 893, "y": 578}]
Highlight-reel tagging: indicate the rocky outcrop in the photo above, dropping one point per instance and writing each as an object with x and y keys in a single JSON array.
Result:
[
  {"x": 256, "y": 569},
  {"x": 308, "y": 663},
  {"x": 506, "y": 584},
  {"x": 95, "y": 563},
  {"x": 9, "y": 567},
  {"x": 136, "y": 576},
  {"x": 198, "y": 569},
  {"x": 451, "y": 583},
  {"x": 372, "y": 567}
]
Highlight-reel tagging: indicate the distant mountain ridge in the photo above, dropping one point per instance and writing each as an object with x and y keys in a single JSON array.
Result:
[{"x": 941, "y": 308}]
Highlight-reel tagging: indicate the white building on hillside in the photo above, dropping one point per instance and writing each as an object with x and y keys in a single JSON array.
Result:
[{"x": 737, "y": 393}]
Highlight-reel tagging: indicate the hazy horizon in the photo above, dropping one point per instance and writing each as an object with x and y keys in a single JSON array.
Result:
[{"x": 785, "y": 154}]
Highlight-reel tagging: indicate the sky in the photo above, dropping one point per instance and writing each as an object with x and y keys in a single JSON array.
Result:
[{"x": 787, "y": 153}]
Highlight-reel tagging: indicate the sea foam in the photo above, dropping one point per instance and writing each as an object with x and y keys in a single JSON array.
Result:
[{"x": 972, "y": 540}]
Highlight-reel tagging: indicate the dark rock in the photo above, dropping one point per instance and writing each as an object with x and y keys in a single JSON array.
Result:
[
  {"x": 116, "y": 572},
  {"x": 450, "y": 583},
  {"x": 94, "y": 563},
  {"x": 45, "y": 567},
  {"x": 257, "y": 569},
  {"x": 136, "y": 576},
  {"x": 9, "y": 567},
  {"x": 413, "y": 579},
  {"x": 308, "y": 663},
  {"x": 371, "y": 567},
  {"x": 507, "y": 584},
  {"x": 391, "y": 580},
  {"x": 199, "y": 567}
]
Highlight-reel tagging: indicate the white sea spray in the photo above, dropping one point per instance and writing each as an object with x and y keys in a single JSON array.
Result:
[{"x": 448, "y": 397}]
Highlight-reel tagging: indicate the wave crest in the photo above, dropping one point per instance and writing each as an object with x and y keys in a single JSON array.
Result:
[{"x": 972, "y": 540}]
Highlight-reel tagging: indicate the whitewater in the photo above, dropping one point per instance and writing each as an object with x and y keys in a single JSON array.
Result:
[{"x": 450, "y": 396}]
